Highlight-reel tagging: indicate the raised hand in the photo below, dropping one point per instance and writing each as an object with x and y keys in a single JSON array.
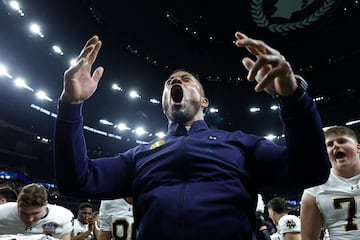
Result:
[
  {"x": 79, "y": 83},
  {"x": 270, "y": 69}
]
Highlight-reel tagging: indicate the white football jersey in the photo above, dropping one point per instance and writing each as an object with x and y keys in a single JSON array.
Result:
[
  {"x": 287, "y": 224},
  {"x": 56, "y": 223},
  {"x": 275, "y": 236},
  {"x": 79, "y": 228},
  {"x": 117, "y": 216},
  {"x": 27, "y": 237},
  {"x": 339, "y": 202}
]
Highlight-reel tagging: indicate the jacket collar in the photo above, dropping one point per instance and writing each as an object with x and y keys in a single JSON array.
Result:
[{"x": 176, "y": 129}]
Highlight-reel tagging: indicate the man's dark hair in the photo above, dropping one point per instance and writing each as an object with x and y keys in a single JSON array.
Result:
[
  {"x": 85, "y": 205},
  {"x": 8, "y": 193},
  {"x": 278, "y": 204}
]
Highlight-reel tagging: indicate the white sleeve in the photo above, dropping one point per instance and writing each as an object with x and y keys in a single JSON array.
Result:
[
  {"x": 289, "y": 223},
  {"x": 312, "y": 191}
]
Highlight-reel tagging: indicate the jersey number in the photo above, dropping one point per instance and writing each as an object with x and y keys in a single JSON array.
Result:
[
  {"x": 351, "y": 207},
  {"x": 123, "y": 230}
]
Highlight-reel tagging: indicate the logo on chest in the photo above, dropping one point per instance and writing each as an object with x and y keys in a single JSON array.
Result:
[{"x": 49, "y": 228}]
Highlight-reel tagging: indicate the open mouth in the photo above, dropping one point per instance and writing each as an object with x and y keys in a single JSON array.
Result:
[
  {"x": 177, "y": 93},
  {"x": 339, "y": 155}
]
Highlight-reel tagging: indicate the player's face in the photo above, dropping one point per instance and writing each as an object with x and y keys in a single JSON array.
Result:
[
  {"x": 343, "y": 151},
  {"x": 85, "y": 215},
  {"x": 31, "y": 215},
  {"x": 182, "y": 97},
  {"x": 3, "y": 200}
]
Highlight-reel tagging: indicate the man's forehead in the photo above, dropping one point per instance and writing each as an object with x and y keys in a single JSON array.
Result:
[
  {"x": 86, "y": 209},
  {"x": 334, "y": 136},
  {"x": 30, "y": 209},
  {"x": 181, "y": 73}
]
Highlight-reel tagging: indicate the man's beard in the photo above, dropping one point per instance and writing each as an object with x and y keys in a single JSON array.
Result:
[{"x": 181, "y": 116}]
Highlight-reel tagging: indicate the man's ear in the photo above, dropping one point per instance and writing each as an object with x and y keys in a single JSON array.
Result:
[{"x": 204, "y": 102}]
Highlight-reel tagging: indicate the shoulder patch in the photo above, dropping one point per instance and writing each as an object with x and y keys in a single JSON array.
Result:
[{"x": 157, "y": 144}]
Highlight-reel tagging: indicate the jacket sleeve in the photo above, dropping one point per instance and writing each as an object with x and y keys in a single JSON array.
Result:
[
  {"x": 75, "y": 173},
  {"x": 308, "y": 161}
]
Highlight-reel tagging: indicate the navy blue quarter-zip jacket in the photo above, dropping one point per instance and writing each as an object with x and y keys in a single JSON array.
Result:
[{"x": 196, "y": 184}]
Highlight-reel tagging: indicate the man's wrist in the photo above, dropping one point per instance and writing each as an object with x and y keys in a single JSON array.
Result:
[{"x": 297, "y": 95}]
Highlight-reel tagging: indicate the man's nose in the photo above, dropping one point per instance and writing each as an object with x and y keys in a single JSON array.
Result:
[
  {"x": 176, "y": 80},
  {"x": 336, "y": 145},
  {"x": 30, "y": 219}
]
